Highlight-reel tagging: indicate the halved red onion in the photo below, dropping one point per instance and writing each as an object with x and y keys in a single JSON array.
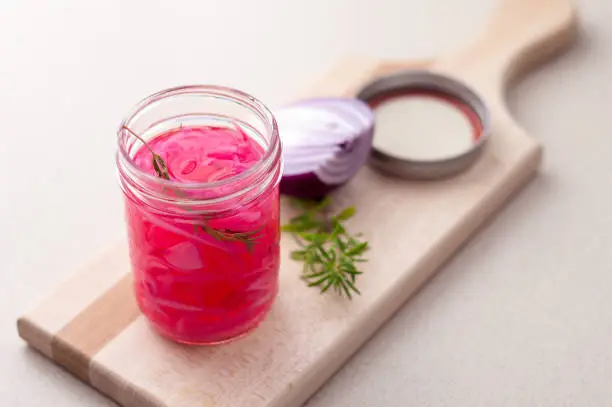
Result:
[{"x": 325, "y": 142}]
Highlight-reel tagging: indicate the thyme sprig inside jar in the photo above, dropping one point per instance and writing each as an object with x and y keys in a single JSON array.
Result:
[{"x": 199, "y": 167}]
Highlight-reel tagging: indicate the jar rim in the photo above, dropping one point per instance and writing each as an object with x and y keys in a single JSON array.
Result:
[{"x": 263, "y": 112}]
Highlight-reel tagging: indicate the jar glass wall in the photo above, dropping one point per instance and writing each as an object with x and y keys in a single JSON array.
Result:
[{"x": 202, "y": 211}]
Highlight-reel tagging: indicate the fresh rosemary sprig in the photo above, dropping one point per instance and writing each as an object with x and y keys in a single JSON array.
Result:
[
  {"x": 329, "y": 252},
  {"x": 247, "y": 238},
  {"x": 161, "y": 170}
]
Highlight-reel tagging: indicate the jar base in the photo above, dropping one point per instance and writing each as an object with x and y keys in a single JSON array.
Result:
[
  {"x": 253, "y": 325},
  {"x": 204, "y": 343}
]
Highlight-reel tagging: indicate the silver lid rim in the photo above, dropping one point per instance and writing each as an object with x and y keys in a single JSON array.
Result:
[{"x": 422, "y": 80}]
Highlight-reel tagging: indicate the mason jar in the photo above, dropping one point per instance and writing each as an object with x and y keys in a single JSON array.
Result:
[{"x": 204, "y": 254}]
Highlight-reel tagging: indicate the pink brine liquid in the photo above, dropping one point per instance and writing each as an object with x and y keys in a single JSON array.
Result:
[{"x": 193, "y": 287}]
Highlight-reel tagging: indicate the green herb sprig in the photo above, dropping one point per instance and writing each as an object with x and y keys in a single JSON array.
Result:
[
  {"x": 161, "y": 170},
  {"x": 329, "y": 252}
]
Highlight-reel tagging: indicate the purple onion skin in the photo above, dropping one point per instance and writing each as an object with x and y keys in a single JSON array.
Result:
[
  {"x": 305, "y": 186},
  {"x": 308, "y": 185}
]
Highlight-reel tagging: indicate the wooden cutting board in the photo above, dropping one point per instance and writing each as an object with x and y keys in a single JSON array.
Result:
[{"x": 92, "y": 327}]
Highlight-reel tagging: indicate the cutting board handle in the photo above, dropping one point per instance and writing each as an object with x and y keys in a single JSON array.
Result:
[{"x": 519, "y": 34}]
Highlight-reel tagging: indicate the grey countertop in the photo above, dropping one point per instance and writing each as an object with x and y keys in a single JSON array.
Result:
[{"x": 521, "y": 317}]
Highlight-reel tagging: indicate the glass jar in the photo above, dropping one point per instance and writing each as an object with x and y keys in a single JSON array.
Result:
[{"x": 204, "y": 255}]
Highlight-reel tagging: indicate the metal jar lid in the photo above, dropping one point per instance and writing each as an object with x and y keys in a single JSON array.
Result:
[{"x": 414, "y": 82}]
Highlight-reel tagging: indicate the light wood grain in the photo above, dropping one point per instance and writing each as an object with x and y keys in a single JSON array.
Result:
[
  {"x": 98, "y": 324},
  {"x": 413, "y": 228},
  {"x": 77, "y": 294}
]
